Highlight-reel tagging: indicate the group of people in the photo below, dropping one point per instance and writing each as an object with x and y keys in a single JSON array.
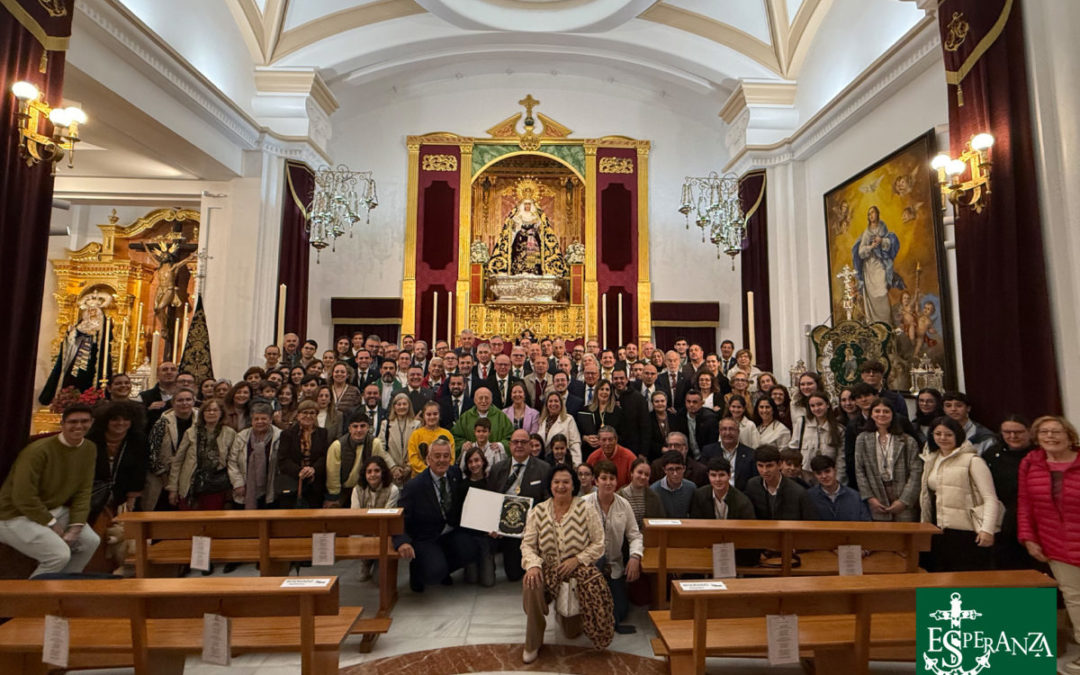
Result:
[{"x": 599, "y": 439}]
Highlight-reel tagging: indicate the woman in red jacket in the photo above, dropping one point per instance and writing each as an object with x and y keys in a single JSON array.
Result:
[{"x": 1048, "y": 509}]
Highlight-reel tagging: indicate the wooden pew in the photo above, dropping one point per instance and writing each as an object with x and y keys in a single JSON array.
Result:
[
  {"x": 686, "y": 547},
  {"x": 273, "y": 539},
  {"x": 843, "y": 621},
  {"x": 152, "y": 624}
]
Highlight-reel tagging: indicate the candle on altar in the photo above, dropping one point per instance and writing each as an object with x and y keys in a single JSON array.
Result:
[
  {"x": 176, "y": 340},
  {"x": 750, "y": 322},
  {"x": 603, "y": 312},
  {"x": 620, "y": 322},
  {"x": 449, "y": 317},
  {"x": 155, "y": 356},
  {"x": 282, "y": 291},
  {"x": 123, "y": 345},
  {"x": 585, "y": 312},
  {"x": 105, "y": 360},
  {"x": 139, "y": 345},
  {"x": 435, "y": 319}
]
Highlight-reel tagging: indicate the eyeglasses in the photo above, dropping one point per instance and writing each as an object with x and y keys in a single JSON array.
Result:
[
  {"x": 1051, "y": 432},
  {"x": 674, "y": 469}
]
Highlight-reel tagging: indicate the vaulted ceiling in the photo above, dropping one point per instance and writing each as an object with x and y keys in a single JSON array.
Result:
[{"x": 702, "y": 45}]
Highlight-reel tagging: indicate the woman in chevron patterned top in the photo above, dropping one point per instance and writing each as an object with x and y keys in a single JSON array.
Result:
[{"x": 563, "y": 539}]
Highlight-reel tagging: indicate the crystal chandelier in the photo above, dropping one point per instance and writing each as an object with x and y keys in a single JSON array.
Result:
[
  {"x": 341, "y": 195},
  {"x": 714, "y": 201}
]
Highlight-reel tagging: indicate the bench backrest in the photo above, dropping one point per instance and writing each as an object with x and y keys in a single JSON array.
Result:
[{"x": 258, "y": 523}]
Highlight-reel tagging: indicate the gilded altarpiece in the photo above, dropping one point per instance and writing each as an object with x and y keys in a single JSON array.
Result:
[{"x": 526, "y": 218}]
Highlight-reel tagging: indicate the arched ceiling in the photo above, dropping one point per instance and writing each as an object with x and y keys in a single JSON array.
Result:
[{"x": 693, "y": 47}]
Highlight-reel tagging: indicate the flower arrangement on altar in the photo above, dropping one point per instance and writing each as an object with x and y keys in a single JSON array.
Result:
[{"x": 71, "y": 395}]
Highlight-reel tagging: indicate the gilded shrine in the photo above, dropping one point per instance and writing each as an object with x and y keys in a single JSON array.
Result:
[{"x": 528, "y": 228}]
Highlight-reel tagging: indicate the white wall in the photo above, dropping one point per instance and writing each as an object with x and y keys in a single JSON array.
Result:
[
  {"x": 371, "y": 264},
  {"x": 798, "y": 258}
]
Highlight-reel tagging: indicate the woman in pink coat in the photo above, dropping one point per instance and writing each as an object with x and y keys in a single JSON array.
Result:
[{"x": 1048, "y": 509}]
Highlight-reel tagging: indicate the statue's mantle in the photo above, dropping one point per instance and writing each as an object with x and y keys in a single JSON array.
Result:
[{"x": 527, "y": 288}]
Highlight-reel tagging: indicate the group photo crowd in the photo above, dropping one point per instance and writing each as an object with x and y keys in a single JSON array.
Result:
[{"x": 598, "y": 439}]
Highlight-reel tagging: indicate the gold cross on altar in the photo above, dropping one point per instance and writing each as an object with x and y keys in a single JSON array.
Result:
[{"x": 529, "y": 102}]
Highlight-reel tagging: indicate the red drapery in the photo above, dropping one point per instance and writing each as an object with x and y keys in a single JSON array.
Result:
[
  {"x": 25, "y": 209},
  {"x": 755, "y": 267},
  {"x": 617, "y": 250},
  {"x": 294, "y": 256},
  {"x": 1001, "y": 270}
]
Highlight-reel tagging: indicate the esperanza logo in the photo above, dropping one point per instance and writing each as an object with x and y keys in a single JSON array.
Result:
[{"x": 964, "y": 631}]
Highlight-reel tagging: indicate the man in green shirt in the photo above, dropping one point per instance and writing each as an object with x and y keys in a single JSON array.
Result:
[
  {"x": 464, "y": 427},
  {"x": 45, "y": 500}
]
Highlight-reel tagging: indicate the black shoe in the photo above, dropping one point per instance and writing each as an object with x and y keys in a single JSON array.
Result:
[
  {"x": 415, "y": 585},
  {"x": 232, "y": 567},
  {"x": 447, "y": 581},
  {"x": 210, "y": 571},
  {"x": 625, "y": 629}
]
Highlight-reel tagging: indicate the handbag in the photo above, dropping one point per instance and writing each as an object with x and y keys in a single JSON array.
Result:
[
  {"x": 977, "y": 512},
  {"x": 215, "y": 483},
  {"x": 566, "y": 602}
]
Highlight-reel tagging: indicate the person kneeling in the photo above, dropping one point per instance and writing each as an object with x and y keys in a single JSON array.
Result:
[
  {"x": 563, "y": 540},
  {"x": 45, "y": 500},
  {"x": 433, "y": 543}
]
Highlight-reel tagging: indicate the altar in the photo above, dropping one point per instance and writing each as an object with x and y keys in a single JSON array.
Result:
[{"x": 528, "y": 228}]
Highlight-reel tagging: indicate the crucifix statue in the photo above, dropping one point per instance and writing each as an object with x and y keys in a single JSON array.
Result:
[
  {"x": 529, "y": 102},
  {"x": 172, "y": 254}
]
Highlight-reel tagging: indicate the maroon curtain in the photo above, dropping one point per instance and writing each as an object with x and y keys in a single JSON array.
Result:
[
  {"x": 755, "y": 266},
  {"x": 294, "y": 255},
  {"x": 667, "y": 335},
  {"x": 1001, "y": 270},
  {"x": 25, "y": 210}
]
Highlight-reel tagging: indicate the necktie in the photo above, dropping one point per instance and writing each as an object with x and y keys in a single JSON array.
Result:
[
  {"x": 502, "y": 391},
  {"x": 457, "y": 406},
  {"x": 517, "y": 373},
  {"x": 588, "y": 395},
  {"x": 444, "y": 496},
  {"x": 483, "y": 372},
  {"x": 648, "y": 397},
  {"x": 512, "y": 478},
  {"x": 539, "y": 390}
]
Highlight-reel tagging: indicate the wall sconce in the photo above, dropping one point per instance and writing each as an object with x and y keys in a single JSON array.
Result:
[
  {"x": 35, "y": 146},
  {"x": 976, "y": 158}
]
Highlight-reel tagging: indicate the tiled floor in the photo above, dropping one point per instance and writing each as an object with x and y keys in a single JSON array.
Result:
[{"x": 459, "y": 615}]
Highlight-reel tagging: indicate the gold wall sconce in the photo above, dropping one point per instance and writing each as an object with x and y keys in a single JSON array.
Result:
[
  {"x": 975, "y": 162},
  {"x": 35, "y": 146}
]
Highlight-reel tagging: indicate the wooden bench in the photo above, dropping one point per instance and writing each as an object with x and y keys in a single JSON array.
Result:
[
  {"x": 152, "y": 624},
  {"x": 274, "y": 539},
  {"x": 686, "y": 547},
  {"x": 843, "y": 621}
]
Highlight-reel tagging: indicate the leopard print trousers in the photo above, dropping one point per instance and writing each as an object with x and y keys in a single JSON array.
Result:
[{"x": 594, "y": 596}]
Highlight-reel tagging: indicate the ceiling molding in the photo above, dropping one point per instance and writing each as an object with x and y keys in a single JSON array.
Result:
[
  {"x": 339, "y": 22},
  {"x": 710, "y": 29},
  {"x": 917, "y": 50},
  {"x": 296, "y": 81},
  {"x": 780, "y": 31},
  {"x": 249, "y": 20},
  {"x": 757, "y": 93},
  {"x": 808, "y": 20}
]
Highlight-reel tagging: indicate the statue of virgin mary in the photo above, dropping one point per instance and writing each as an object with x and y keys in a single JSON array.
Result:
[{"x": 527, "y": 243}]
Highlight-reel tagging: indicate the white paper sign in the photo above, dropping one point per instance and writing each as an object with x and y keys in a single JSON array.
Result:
[
  {"x": 723, "y": 560},
  {"x": 57, "y": 641},
  {"x": 486, "y": 511},
  {"x": 322, "y": 548},
  {"x": 381, "y": 512},
  {"x": 200, "y": 553},
  {"x": 215, "y": 639},
  {"x": 783, "y": 631},
  {"x": 850, "y": 560},
  {"x": 306, "y": 582},
  {"x": 656, "y": 521},
  {"x": 703, "y": 586}
]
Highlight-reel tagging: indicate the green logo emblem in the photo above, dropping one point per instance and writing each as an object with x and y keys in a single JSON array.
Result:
[{"x": 964, "y": 631}]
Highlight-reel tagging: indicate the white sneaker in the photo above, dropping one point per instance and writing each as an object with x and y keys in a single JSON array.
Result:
[{"x": 529, "y": 657}]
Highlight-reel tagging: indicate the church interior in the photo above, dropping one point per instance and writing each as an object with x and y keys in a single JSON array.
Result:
[{"x": 228, "y": 203}]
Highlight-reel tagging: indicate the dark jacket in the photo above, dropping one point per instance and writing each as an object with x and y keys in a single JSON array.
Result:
[
  {"x": 637, "y": 427},
  {"x": 447, "y": 414},
  {"x": 534, "y": 481},
  {"x": 589, "y": 422},
  {"x": 792, "y": 502},
  {"x": 848, "y": 505},
  {"x": 744, "y": 466},
  {"x": 290, "y": 461},
  {"x": 153, "y": 395},
  {"x": 424, "y": 520},
  {"x": 497, "y": 399},
  {"x": 129, "y": 472},
  {"x": 676, "y": 397},
  {"x": 739, "y": 506},
  {"x": 657, "y": 436},
  {"x": 706, "y": 431}
]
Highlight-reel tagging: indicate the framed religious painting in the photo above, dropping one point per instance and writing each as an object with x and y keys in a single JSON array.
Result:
[{"x": 887, "y": 262}]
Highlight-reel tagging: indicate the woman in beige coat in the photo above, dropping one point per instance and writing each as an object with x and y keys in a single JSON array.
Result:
[
  {"x": 199, "y": 476},
  {"x": 958, "y": 496}
]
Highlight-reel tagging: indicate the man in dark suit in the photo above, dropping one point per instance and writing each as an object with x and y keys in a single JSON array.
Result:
[
  {"x": 518, "y": 366},
  {"x": 537, "y": 382},
  {"x": 372, "y": 408},
  {"x": 585, "y": 389},
  {"x": 647, "y": 385},
  {"x": 453, "y": 402},
  {"x": 433, "y": 542},
  {"x": 697, "y": 422},
  {"x": 366, "y": 373},
  {"x": 158, "y": 398},
  {"x": 775, "y": 497},
  {"x": 466, "y": 343},
  {"x": 501, "y": 381},
  {"x": 726, "y": 356},
  {"x": 740, "y": 457},
  {"x": 524, "y": 475},
  {"x": 672, "y": 381},
  {"x": 418, "y": 394},
  {"x": 695, "y": 361},
  {"x": 560, "y": 381},
  {"x": 696, "y": 472},
  {"x": 637, "y": 429},
  {"x": 484, "y": 367}
]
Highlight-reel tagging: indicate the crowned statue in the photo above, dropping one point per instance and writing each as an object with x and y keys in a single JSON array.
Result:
[
  {"x": 84, "y": 359},
  {"x": 527, "y": 244}
]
